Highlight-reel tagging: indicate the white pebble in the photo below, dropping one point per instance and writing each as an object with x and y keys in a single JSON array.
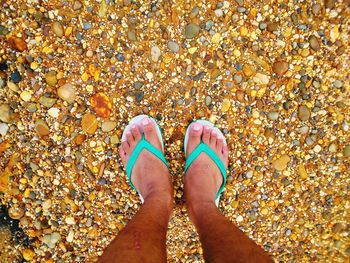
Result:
[
  {"x": 3, "y": 128},
  {"x": 53, "y": 112}
]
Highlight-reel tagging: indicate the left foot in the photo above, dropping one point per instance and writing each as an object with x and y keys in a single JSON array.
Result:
[{"x": 150, "y": 175}]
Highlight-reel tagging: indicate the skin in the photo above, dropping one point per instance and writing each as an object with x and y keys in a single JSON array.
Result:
[{"x": 144, "y": 238}]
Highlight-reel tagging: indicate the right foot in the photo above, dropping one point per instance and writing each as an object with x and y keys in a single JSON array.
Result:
[
  {"x": 150, "y": 176},
  {"x": 203, "y": 178}
]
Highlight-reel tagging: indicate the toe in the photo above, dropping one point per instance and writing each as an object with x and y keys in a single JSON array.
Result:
[
  {"x": 149, "y": 128},
  {"x": 219, "y": 144},
  {"x": 130, "y": 139},
  {"x": 122, "y": 154},
  {"x": 213, "y": 138},
  {"x": 126, "y": 147},
  {"x": 136, "y": 133},
  {"x": 195, "y": 134},
  {"x": 206, "y": 134}
]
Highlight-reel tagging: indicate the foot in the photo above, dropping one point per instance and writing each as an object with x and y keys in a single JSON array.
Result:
[
  {"x": 150, "y": 175},
  {"x": 203, "y": 178}
]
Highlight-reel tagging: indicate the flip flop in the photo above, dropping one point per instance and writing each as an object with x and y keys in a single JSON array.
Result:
[
  {"x": 202, "y": 147},
  {"x": 142, "y": 144}
]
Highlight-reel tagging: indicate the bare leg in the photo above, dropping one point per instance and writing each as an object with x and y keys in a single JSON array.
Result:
[
  {"x": 222, "y": 241},
  {"x": 144, "y": 238}
]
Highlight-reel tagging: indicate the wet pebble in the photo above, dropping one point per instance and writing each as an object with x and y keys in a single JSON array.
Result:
[
  {"x": 58, "y": 28},
  {"x": 173, "y": 46},
  {"x": 47, "y": 101},
  {"x": 280, "y": 67},
  {"x": 51, "y": 78},
  {"x": 41, "y": 128},
  {"x": 5, "y": 113},
  {"x": 16, "y": 77},
  {"x": 191, "y": 31},
  {"x": 108, "y": 126},
  {"x": 304, "y": 113},
  {"x": 314, "y": 44},
  {"x": 3, "y": 129},
  {"x": 67, "y": 92}
]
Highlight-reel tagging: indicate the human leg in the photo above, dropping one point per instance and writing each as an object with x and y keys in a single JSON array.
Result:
[{"x": 221, "y": 240}]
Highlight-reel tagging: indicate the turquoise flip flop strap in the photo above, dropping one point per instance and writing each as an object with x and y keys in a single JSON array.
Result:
[
  {"x": 202, "y": 147},
  {"x": 143, "y": 144}
]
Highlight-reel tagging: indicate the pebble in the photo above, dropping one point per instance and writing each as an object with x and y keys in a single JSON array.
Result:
[
  {"x": 54, "y": 112},
  {"x": 261, "y": 79},
  {"x": 77, "y": 5},
  {"x": 51, "y": 239},
  {"x": 281, "y": 163},
  {"x": 238, "y": 78},
  {"x": 3, "y": 129},
  {"x": 86, "y": 26},
  {"x": 41, "y": 128},
  {"x": 25, "y": 95},
  {"x": 18, "y": 44},
  {"x": 108, "y": 126},
  {"x": 16, "y": 212},
  {"x": 304, "y": 113},
  {"x": 70, "y": 236},
  {"x": 5, "y": 113},
  {"x": 114, "y": 139},
  {"x": 51, "y": 78},
  {"x": 280, "y": 67},
  {"x": 132, "y": 36},
  {"x": 273, "y": 115},
  {"x": 346, "y": 150},
  {"x": 209, "y": 24},
  {"x": 155, "y": 53},
  {"x": 314, "y": 44},
  {"x": 89, "y": 123},
  {"x": 191, "y": 31},
  {"x": 272, "y": 26},
  {"x": 58, "y": 29},
  {"x": 239, "y": 218},
  {"x": 67, "y": 92},
  {"x": 12, "y": 86},
  {"x": 70, "y": 220},
  {"x": 47, "y": 101},
  {"x": 226, "y": 104},
  {"x": 173, "y": 46},
  {"x": 329, "y": 3},
  {"x": 101, "y": 104},
  {"x": 28, "y": 254},
  {"x": 16, "y": 77}
]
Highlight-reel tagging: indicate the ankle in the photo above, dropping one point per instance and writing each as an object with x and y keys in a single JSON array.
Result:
[
  {"x": 161, "y": 198},
  {"x": 196, "y": 209}
]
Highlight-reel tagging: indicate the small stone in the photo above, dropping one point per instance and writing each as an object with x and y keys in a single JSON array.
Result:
[
  {"x": 31, "y": 107},
  {"x": 219, "y": 12},
  {"x": 262, "y": 26},
  {"x": 41, "y": 128},
  {"x": 302, "y": 172},
  {"x": 3, "y": 129},
  {"x": 191, "y": 31},
  {"x": 314, "y": 44},
  {"x": 5, "y": 113},
  {"x": 132, "y": 36},
  {"x": 238, "y": 78},
  {"x": 261, "y": 79},
  {"x": 89, "y": 123},
  {"x": 272, "y": 115},
  {"x": 16, "y": 212},
  {"x": 281, "y": 163},
  {"x": 58, "y": 29},
  {"x": 226, "y": 104},
  {"x": 101, "y": 104},
  {"x": 53, "y": 112},
  {"x": 209, "y": 24},
  {"x": 272, "y": 26},
  {"x": 248, "y": 70},
  {"x": 173, "y": 46},
  {"x": 77, "y": 5},
  {"x": 25, "y": 95},
  {"x": 108, "y": 126},
  {"x": 139, "y": 96},
  {"x": 70, "y": 220},
  {"x": 28, "y": 254},
  {"x": 51, "y": 78},
  {"x": 70, "y": 236},
  {"x": 346, "y": 151},
  {"x": 114, "y": 139},
  {"x": 12, "y": 86},
  {"x": 304, "y": 113},
  {"x": 67, "y": 92},
  {"x": 316, "y": 8},
  {"x": 55, "y": 237},
  {"x": 329, "y": 3},
  {"x": 18, "y": 44},
  {"x": 16, "y": 77},
  {"x": 280, "y": 67},
  {"x": 208, "y": 100},
  {"x": 155, "y": 53},
  {"x": 120, "y": 57},
  {"x": 239, "y": 218},
  {"x": 333, "y": 147},
  {"x": 86, "y": 26},
  {"x": 47, "y": 102},
  {"x": 317, "y": 148}
]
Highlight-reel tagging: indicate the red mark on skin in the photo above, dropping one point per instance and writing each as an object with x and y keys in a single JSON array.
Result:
[{"x": 137, "y": 241}]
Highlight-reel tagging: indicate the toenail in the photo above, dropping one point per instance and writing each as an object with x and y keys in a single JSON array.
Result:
[
  {"x": 145, "y": 121},
  {"x": 196, "y": 127},
  {"x": 133, "y": 127}
]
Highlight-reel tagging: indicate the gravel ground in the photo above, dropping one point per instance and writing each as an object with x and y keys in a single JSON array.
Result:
[{"x": 272, "y": 75}]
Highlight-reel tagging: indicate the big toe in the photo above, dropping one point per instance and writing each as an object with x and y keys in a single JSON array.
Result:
[
  {"x": 149, "y": 129},
  {"x": 194, "y": 138}
]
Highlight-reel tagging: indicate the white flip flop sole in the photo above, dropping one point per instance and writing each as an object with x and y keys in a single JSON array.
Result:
[
  {"x": 137, "y": 121},
  {"x": 218, "y": 132}
]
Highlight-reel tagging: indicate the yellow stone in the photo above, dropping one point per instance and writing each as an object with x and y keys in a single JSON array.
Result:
[
  {"x": 244, "y": 31},
  {"x": 85, "y": 76},
  {"x": 34, "y": 65},
  {"x": 28, "y": 254},
  {"x": 68, "y": 31},
  {"x": 236, "y": 52},
  {"x": 281, "y": 162},
  {"x": 226, "y": 104},
  {"x": 25, "y": 95},
  {"x": 264, "y": 211},
  {"x": 302, "y": 171},
  {"x": 192, "y": 50},
  {"x": 216, "y": 38}
]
